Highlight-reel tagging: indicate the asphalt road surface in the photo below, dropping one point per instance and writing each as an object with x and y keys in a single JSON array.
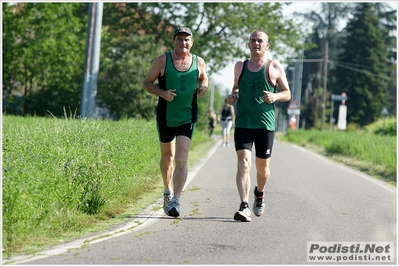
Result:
[{"x": 308, "y": 199}]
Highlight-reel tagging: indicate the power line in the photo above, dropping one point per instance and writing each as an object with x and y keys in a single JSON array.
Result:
[
  {"x": 344, "y": 65},
  {"x": 353, "y": 64},
  {"x": 361, "y": 71}
]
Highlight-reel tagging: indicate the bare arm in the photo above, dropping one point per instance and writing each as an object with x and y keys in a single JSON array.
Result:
[
  {"x": 157, "y": 69},
  {"x": 203, "y": 80},
  {"x": 220, "y": 113},
  {"x": 233, "y": 114},
  {"x": 234, "y": 91},
  {"x": 277, "y": 75}
]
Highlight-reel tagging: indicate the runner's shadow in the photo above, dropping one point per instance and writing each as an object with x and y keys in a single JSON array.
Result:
[{"x": 216, "y": 219}]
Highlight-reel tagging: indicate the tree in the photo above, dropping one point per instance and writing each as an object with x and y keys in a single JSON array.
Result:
[
  {"x": 121, "y": 75},
  {"x": 43, "y": 49},
  {"x": 326, "y": 27},
  {"x": 388, "y": 20},
  {"x": 135, "y": 33},
  {"x": 221, "y": 30},
  {"x": 364, "y": 74},
  {"x": 45, "y": 44}
]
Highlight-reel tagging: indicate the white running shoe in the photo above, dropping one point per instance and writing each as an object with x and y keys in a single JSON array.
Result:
[{"x": 243, "y": 214}]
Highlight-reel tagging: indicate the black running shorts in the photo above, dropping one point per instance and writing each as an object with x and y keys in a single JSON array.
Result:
[
  {"x": 166, "y": 134},
  {"x": 263, "y": 140}
]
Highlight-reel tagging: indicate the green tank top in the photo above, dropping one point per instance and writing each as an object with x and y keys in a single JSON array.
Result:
[
  {"x": 252, "y": 111},
  {"x": 184, "y": 108}
]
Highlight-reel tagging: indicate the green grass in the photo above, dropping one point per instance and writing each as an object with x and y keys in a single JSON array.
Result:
[
  {"x": 370, "y": 153},
  {"x": 65, "y": 178}
]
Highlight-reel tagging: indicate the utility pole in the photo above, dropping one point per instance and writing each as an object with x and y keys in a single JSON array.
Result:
[
  {"x": 92, "y": 61},
  {"x": 325, "y": 84},
  {"x": 296, "y": 90}
]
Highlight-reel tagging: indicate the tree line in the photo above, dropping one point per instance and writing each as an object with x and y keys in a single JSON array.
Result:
[
  {"x": 361, "y": 61},
  {"x": 44, "y": 49}
]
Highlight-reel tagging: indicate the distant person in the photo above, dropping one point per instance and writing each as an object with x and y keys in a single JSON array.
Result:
[
  {"x": 178, "y": 73},
  {"x": 227, "y": 117},
  {"x": 255, "y": 83},
  {"x": 212, "y": 121}
]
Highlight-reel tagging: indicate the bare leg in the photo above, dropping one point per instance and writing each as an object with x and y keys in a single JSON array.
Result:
[
  {"x": 180, "y": 173},
  {"x": 225, "y": 134},
  {"x": 243, "y": 174},
  {"x": 263, "y": 172},
  {"x": 166, "y": 163},
  {"x": 229, "y": 125}
]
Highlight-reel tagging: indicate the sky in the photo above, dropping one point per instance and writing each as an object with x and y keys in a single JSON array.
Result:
[{"x": 226, "y": 75}]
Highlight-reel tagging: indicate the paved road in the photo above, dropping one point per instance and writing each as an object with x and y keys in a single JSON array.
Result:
[{"x": 308, "y": 198}]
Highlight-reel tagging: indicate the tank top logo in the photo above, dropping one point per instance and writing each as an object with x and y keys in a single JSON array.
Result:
[
  {"x": 257, "y": 93},
  {"x": 182, "y": 81}
]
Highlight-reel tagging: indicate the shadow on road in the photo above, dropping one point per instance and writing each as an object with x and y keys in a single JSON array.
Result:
[{"x": 217, "y": 219}]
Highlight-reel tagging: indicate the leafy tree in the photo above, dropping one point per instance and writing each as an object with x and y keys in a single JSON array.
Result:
[
  {"x": 221, "y": 30},
  {"x": 121, "y": 76},
  {"x": 365, "y": 76},
  {"x": 44, "y": 48},
  {"x": 43, "y": 53},
  {"x": 134, "y": 34}
]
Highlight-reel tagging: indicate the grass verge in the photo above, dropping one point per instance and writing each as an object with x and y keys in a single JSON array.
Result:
[
  {"x": 369, "y": 153},
  {"x": 67, "y": 178}
]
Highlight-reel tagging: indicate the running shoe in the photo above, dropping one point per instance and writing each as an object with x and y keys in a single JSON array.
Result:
[
  {"x": 167, "y": 199},
  {"x": 174, "y": 210},
  {"x": 259, "y": 205},
  {"x": 243, "y": 214}
]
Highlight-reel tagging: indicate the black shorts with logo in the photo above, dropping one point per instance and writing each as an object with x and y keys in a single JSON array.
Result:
[
  {"x": 263, "y": 140},
  {"x": 166, "y": 134}
]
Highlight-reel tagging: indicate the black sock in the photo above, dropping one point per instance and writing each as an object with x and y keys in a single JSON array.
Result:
[{"x": 257, "y": 193}]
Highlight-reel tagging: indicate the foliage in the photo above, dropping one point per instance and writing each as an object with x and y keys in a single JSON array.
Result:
[
  {"x": 219, "y": 30},
  {"x": 326, "y": 26},
  {"x": 383, "y": 126},
  {"x": 213, "y": 27},
  {"x": 44, "y": 44},
  {"x": 43, "y": 49},
  {"x": 367, "y": 89},
  {"x": 388, "y": 21},
  {"x": 121, "y": 75}
]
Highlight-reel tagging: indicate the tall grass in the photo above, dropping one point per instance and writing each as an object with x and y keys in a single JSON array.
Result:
[
  {"x": 371, "y": 153},
  {"x": 62, "y": 176}
]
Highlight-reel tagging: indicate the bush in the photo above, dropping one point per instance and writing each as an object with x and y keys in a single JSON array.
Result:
[{"x": 389, "y": 125}]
